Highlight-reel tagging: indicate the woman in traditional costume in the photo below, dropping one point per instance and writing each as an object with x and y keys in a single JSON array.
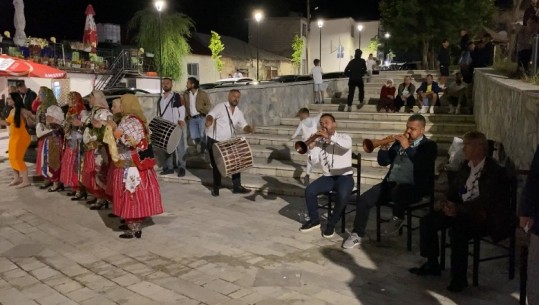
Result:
[{"x": 136, "y": 193}]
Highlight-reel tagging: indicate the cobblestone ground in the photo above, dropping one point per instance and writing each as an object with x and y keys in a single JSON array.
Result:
[{"x": 205, "y": 250}]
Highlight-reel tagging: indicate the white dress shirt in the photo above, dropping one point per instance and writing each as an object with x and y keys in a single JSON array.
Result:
[
  {"x": 171, "y": 114},
  {"x": 193, "y": 103},
  {"x": 472, "y": 184},
  {"x": 317, "y": 75},
  {"x": 335, "y": 157},
  {"x": 222, "y": 129}
]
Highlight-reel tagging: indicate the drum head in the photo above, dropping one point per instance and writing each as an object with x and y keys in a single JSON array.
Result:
[{"x": 174, "y": 139}]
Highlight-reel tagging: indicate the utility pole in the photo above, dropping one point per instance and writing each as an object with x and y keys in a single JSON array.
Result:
[{"x": 307, "y": 35}]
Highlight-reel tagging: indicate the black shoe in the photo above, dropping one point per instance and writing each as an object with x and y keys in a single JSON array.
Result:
[
  {"x": 71, "y": 194},
  {"x": 181, "y": 172},
  {"x": 166, "y": 172},
  {"x": 100, "y": 206},
  {"x": 457, "y": 285},
  {"x": 329, "y": 231},
  {"x": 46, "y": 185},
  {"x": 240, "y": 190},
  {"x": 427, "y": 269},
  {"x": 215, "y": 193},
  {"x": 309, "y": 226},
  {"x": 130, "y": 235},
  {"x": 59, "y": 188},
  {"x": 91, "y": 201},
  {"x": 80, "y": 196}
]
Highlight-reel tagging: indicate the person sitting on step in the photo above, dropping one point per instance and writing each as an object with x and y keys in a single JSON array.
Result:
[
  {"x": 387, "y": 97},
  {"x": 476, "y": 204},
  {"x": 427, "y": 95},
  {"x": 410, "y": 177},
  {"x": 405, "y": 95}
]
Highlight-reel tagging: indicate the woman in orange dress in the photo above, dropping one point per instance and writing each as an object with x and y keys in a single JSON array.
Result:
[{"x": 19, "y": 139}]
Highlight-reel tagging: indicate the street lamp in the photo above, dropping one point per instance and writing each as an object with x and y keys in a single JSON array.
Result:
[
  {"x": 258, "y": 17},
  {"x": 386, "y": 50},
  {"x": 320, "y": 25},
  {"x": 359, "y": 29},
  {"x": 159, "y": 5}
]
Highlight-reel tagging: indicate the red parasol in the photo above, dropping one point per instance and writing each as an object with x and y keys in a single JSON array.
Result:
[
  {"x": 12, "y": 66},
  {"x": 89, "y": 39}
]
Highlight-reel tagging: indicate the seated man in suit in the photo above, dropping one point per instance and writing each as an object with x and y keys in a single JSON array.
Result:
[
  {"x": 477, "y": 204},
  {"x": 427, "y": 95},
  {"x": 410, "y": 177}
]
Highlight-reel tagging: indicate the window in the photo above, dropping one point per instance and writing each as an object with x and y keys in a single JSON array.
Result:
[
  {"x": 352, "y": 31},
  {"x": 192, "y": 70},
  {"x": 304, "y": 30}
]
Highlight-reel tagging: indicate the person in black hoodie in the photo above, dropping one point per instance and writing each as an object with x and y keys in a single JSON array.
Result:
[
  {"x": 355, "y": 70},
  {"x": 529, "y": 221}
]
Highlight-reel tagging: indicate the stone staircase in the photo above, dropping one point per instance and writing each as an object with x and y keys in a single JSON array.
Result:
[{"x": 279, "y": 169}]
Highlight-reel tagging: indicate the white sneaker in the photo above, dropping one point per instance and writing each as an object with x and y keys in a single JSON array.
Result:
[
  {"x": 457, "y": 111},
  {"x": 352, "y": 241},
  {"x": 431, "y": 109},
  {"x": 423, "y": 109},
  {"x": 393, "y": 226},
  {"x": 451, "y": 109}
]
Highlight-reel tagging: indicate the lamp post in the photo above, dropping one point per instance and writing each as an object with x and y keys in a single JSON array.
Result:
[
  {"x": 386, "y": 50},
  {"x": 320, "y": 25},
  {"x": 258, "y": 17},
  {"x": 359, "y": 29},
  {"x": 159, "y": 5}
]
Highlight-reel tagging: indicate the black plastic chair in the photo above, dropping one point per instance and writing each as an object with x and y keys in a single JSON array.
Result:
[
  {"x": 423, "y": 203},
  {"x": 330, "y": 196}
]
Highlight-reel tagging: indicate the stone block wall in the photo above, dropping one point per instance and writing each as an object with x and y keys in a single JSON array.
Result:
[{"x": 507, "y": 110}]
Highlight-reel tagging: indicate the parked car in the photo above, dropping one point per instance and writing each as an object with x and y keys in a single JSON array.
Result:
[
  {"x": 333, "y": 75},
  {"x": 291, "y": 78},
  {"x": 229, "y": 82}
]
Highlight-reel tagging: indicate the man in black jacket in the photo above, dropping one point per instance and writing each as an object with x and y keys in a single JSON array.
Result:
[
  {"x": 410, "y": 177},
  {"x": 444, "y": 59},
  {"x": 28, "y": 96},
  {"x": 355, "y": 70},
  {"x": 477, "y": 204}
]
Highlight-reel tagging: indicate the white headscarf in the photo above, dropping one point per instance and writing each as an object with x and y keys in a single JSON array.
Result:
[
  {"x": 100, "y": 100},
  {"x": 392, "y": 82}
]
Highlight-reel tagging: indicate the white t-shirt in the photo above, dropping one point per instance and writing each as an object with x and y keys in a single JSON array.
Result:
[
  {"x": 221, "y": 129},
  {"x": 307, "y": 127},
  {"x": 193, "y": 103},
  {"x": 317, "y": 75},
  {"x": 370, "y": 64},
  {"x": 171, "y": 114}
]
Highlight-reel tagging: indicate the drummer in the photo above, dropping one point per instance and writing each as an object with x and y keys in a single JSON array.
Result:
[
  {"x": 170, "y": 108},
  {"x": 221, "y": 124}
]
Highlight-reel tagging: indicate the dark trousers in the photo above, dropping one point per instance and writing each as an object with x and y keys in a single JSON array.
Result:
[
  {"x": 401, "y": 194},
  {"x": 524, "y": 57},
  {"x": 341, "y": 185},
  {"x": 462, "y": 230},
  {"x": 236, "y": 178},
  {"x": 352, "y": 90},
  {"x": 409, "y": 102}
]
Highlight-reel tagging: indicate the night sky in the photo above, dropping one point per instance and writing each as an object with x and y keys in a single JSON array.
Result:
[{"x": 65, "y": 18}]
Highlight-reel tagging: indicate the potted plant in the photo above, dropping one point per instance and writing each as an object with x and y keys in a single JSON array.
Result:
[{"x": 76, "y": 64}]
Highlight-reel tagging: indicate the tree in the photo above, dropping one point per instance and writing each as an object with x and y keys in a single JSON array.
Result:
[
  {"x": 374, "y": 44},
  {"x": 175, "y": 30},
  {"x": 423, "y": 24},
  {"x": 216, "y": 47},
  {"x": 297, "y": 46}
]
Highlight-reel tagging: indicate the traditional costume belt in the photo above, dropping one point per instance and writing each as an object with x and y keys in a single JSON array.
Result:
[
  {"x": 92, "y": 145},
  {"x": 124, "y": 163}
]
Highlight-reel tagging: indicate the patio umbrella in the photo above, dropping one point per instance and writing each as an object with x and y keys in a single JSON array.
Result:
[
  {"x": 89, "y": 39},
  {"x": 12, "y": 66}
]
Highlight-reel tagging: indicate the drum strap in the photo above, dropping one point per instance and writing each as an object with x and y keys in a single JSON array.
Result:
[{"x": 232, "y": 130}]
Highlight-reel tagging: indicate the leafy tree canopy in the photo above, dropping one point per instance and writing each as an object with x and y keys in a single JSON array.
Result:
[
  {"x": 216, "y": 46},
  {"x": 297, "y": 46}
]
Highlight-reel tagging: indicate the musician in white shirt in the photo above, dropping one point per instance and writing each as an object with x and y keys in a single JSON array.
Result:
[
  {"x": 170, "y": 108},
  {"x": 221, "y": 124},
  {"x": 334, "y": 153}
]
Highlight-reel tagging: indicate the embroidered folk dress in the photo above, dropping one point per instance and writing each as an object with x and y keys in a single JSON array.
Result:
[{"x": 136, "y": 193}]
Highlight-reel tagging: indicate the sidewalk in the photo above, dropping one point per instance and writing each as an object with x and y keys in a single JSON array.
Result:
[{"x": 233, "y": 250}]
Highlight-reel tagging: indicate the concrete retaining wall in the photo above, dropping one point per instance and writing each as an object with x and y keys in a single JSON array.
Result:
[{"x": 507, "y": 110}]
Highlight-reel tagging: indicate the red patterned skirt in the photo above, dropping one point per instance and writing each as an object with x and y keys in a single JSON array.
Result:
[
  {"x": 94, "y": 172},
  {"x": 144, "y": 202},
  {"x": 70, "y": 167},
  {"x": 109, "y": 190}
]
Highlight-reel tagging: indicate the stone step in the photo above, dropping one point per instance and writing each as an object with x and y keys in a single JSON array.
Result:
[
  {"x": 260, "y": 185},
  {"x": 458, "y": 128},
  {"x": 357, "y": 114},
  {"x": 370, "y": 107}
]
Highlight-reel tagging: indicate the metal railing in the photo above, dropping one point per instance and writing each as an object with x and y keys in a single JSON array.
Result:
[{"x": 129, "y": 61}]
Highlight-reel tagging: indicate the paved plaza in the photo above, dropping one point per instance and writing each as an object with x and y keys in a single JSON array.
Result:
[{"x": 231, "y": 250}]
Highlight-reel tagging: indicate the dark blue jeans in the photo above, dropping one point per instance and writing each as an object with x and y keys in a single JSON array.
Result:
[{"x": 341, "y": 185}]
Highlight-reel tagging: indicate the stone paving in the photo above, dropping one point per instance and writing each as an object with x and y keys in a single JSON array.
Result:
[{"x": 231, "y": 250}]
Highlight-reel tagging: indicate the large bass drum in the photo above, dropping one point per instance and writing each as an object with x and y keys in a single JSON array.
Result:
[
  {"x": 165, "y": 135},
  {"x": 232, "y": 156}
]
